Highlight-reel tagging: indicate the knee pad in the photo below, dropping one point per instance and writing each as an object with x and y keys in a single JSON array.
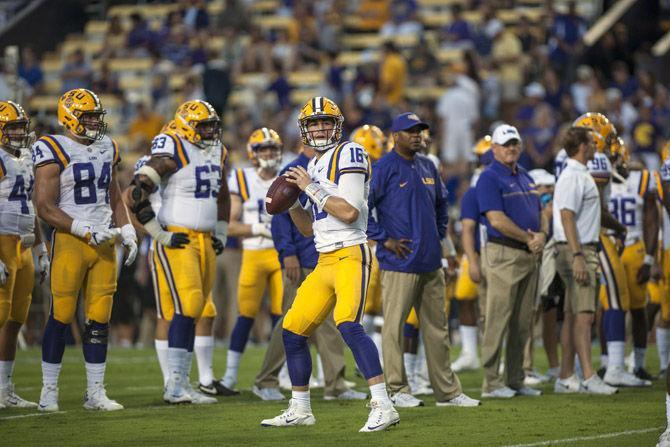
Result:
[{"x": 95, "y": 333}]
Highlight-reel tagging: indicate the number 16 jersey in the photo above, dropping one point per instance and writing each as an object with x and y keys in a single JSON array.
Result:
[
  {"x": 85, "y": 175},
  {"x": 189, "y": 196}
]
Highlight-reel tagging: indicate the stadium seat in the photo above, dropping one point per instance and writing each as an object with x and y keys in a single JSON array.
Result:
[
  {"x": 273, "y": 22},
  {"x": 305, "y": 78}
]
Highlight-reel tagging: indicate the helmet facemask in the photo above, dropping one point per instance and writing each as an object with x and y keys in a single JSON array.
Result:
[
  {"x": 208, "y": 132},
  {"x": 16, "y": 134},
  {"x": 92, "y": 125},
  {"x": 272, "y": 162},
  {"x": 321, "y": 139}
]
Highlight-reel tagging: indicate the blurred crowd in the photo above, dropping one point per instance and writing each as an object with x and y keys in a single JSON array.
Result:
[{"x": 537, "y": 75}]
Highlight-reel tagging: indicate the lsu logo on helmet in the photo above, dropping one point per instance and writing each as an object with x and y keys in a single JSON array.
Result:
[
  {"x": 80, "y": 111},
  {"x": 197, "y": 122},
  {"x": 14, "y": 126},
  {"x": 320, "y": 108},
  {"x": 265, "y": 138},
  {"x": 371, "y": 138},
  {"x": 605, "y": 133}
]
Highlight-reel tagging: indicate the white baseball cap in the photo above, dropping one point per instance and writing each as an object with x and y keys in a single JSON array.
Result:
[{"x": 504, "y": 133}]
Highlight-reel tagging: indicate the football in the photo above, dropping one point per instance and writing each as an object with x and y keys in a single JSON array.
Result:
[{"x": 281, "y": 195}]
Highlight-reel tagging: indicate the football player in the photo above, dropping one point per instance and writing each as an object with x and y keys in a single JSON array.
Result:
[
  {"x": 77, "y": 193},
  {"x": 260, "y": 261},
  {"x": 19, "y": 231},
  {"x": 337, "y": 184},
  {"x": 633, "y": 202},
  {"x": 189, "y": 231},
  {"x": 660, "y": 292}
]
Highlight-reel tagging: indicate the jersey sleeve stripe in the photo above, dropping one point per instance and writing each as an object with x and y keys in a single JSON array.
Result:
[
  {"x": 354, "y": 170},
  {"x": 242, "y": 184},
  {"x": 59, "y": 154},
  {"x": 179, "y": 155},
  {"x": 117, "y": 158},
  {"x": 644, "y": 183},
  {"x": 334, "y": 165},
  {"x": 3, "y": 169}
]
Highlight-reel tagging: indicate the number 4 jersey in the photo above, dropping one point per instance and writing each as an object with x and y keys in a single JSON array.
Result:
[
  {"x": 85, "y": 175},
  {"x": 17, "y": 215},
  {"x": 189, "y": 196},
  {"x": 627, "y": 202}
]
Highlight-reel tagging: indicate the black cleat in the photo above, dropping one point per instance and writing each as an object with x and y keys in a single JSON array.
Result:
[
  {"x": 216, "y": 388},
  {"x": 601, "y": 372},
  {"x": 642, "y": 373}
]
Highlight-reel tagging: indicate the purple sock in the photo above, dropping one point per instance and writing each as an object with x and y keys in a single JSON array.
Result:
[
  {"x": 181, "y": 332},
  {"x": 275, "y": 318},
  {"x": 363, "y": 348},
  {"x": 240, "y": 335},
  {"x": 298, "y": 358},
  {"x": 95, "y": 342},
  {"x": 53, "y": 342},
  {"x": 614, "y": 322}
]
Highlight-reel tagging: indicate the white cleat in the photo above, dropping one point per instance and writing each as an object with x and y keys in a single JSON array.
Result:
[
  {"x": 466, "y": 362},
  {"x": 528, "y": 391},
  {"x": 96, "y": 399},
  {"x": 198, "y": 398},
  {"x": 406, "y": 400},
  {"x": 421, "y": 386},
  {"x": 534, "y": 378},
  {"x": 293, "y": 415},
  {"x": 349, "y": 383},
  {"x": 175, "y": 393},
  {"x": 617, "y": 376},
  {"x": 664, "y": 439},
  {"x": 504, "y": 392},
  {"x": 348, "y": 395},
  {"x": 459, "y": 401},
  {"x": 595, "y": 385},
  {"x": 569, "y": 385},
  {"x": 8, "y": 398},
  {"x": 48, "y": 399},
  {"x": 268, "y": 394},
  {"x": 382, "y": 416}
]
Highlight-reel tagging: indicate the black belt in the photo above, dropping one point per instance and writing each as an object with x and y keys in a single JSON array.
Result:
[
  {"x": 588, "y": 244},
  {"x": 509, "y": 243}
]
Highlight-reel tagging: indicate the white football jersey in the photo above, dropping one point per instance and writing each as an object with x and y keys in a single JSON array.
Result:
[
  {"x": 252, "y": 189},
  {"x": 331, "y": 233},
  {"x": 17, "y": 214},
  {"x": 626, "y": 202},
  {"x": 155, "y": 197},
  {"x": 85, "y": 175},
  {"x": 189, "y": 196}
]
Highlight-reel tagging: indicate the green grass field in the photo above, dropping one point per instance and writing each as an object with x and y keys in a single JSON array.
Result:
[{"x": 630, "y": 418}]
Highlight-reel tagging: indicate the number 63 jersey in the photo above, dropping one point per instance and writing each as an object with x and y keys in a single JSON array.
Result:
[
  {"x": 85, "y": 175},
  {"x": 17, "y": 215},
  {"x": 189, "y": 196}
]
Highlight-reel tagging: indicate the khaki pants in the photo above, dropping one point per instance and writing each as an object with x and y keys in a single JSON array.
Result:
[
  {"x": 578, "y": 298},
  {"x": 511, "y": 275},
  {"x": 424, "y": 291},
  {"x": 328, "y": 343}
]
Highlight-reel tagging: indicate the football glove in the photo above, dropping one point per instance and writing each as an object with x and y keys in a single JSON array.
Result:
[
  {"x": 94, "y": 235},
  {"x": 129, "y": 241},
  {"x": 43, "y": 263},
  {"x": 220, "y": 236},
  {"x": 261, "y": 229},
  {"x": 3, "y": 274},
  {"x": 167, "y": 238}
]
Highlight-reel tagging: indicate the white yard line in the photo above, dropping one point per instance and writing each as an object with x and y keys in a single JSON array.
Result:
[
  {"x": 589, "y": 438},
  {"x": 30, "y": 415}
]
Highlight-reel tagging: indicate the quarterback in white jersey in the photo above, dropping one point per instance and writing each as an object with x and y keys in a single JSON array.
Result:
[
  {"x": 18, "y": 233},
  {"x": 337, "y": 184},
  {"x": 189, "y": 231},
  {"x": 260, "y": 268},
  {"x": 77, "y": 193}
]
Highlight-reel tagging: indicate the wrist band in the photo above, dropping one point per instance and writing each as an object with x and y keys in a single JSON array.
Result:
[
  {"x": 648, "y": 259},
  {"x": 317, "y": 194}
]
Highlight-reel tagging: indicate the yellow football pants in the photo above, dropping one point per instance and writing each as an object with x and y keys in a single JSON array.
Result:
[
  {"x": 339, "y": 283},
  {"x": 77, "y": 266},
  {"x": 613, "y": 292},
  {"x": 373, "y": 304},
  {"x": 15, "y": 295},
  {"x": 633, "y": 259},
  {"x": 466, "y": 289},
  {"x": 184, "y": 277},
  {"x": 659, "y": 292},
  {"x": 260, "y": 270}
]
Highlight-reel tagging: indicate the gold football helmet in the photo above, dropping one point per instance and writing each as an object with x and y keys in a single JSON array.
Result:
[
  {"x": 665, "y": 151},
  {"x": 320, "y": 108},
  {"x": 169, "y": 127},
  {"x": 265, "y": 138},
  {"x": 605, "y": 133},
  {"x": 371, "y": 138},
  {"x": 482, "y": 146},
  {"x": 14, "y": 126},
  {"x": 197, "y": 122},
  {"x": 81, "y": 112}
]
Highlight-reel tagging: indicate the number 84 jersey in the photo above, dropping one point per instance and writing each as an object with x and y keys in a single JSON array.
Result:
[
  {"x": 189, "y": 196},
  {"x": 85, "y": 175}
]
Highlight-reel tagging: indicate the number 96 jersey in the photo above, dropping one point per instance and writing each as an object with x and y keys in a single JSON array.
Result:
[
  {"x": 189, "y": 196},
  {"x": 17, "y": 215},
  {"x": 85, "y": 175}
]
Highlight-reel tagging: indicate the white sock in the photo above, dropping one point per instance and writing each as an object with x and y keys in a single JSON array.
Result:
[
  {"x": 421, "y": 364},
  {"x": 378, "y": 392},
  {"x": 319, "y": 369},
  {"x": 468, "y": 339},
  {"x": 188, "y": 362},
  {"x": 410, "y": 364},
  {"x": 95, "y": 374},
  {"x": 617, "y": 353},
  {"x": 667, "y": 408},
  {"x": 639, "y": 357},
  {"x": 6, "y": 369},
  {"x": 204, "y": 353},
  {"x": 232, "y": 365},
  {"x": 368, "y": 323},
  {"x": 302, "y": 399},
  {"x": 604, "y": 358},
  {"x": 176, "y": 359},
  {"x": 161, "y": 353},
  {"x": 50, "y": 373},
  {"x": 663, "y": 346}
]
